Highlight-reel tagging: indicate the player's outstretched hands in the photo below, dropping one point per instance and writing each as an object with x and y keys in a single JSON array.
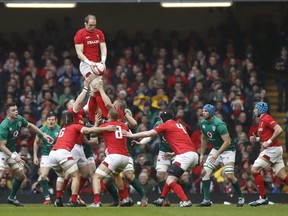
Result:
[
  {"x": 111, "y": 128},
  {"x": 127, "y": 133},
  {"x": 49, "y": 139},
  {"x": 92, "y": 66},
  {"x": 18, "y": 158},
  {"x": 135, "y": 142},
  {"x": 86, "y": 83},
  {"x": 98, "y": 119},
  {"x": 252, "y": 138}
]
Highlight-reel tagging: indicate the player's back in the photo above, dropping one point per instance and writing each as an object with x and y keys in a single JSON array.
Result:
[
  {"x": 67, "y": 137},
  {"x": 114, "y": 140},
  {"x": 176, "y": 136}
]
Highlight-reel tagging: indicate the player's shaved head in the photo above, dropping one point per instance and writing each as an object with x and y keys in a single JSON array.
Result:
[{"x": 113, "y": 114}]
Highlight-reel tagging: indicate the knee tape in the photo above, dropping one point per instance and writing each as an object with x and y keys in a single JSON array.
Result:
[
  {"x": 259, "y": 162},
  {"x": 161, "y": 168},
  {"x": 229, "y": 169},
  {"x": 278, "y": 166},
  {"x": 72, "y": 169},
  {"x": 101, "y": 172},
  {"x": 60, "y": 179},
  {"x": 209, "y": 168}
]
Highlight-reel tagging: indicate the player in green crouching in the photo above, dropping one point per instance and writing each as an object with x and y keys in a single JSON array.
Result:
[
  {"x": 9, "y": 131},
  {"x": 52, "y": 129},
  {"x": 215, "y": 131}
]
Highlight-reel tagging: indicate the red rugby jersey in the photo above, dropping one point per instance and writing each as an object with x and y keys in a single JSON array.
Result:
[
  {"x": 91, "y": 42},
  {"x": 176, "y": 136}
]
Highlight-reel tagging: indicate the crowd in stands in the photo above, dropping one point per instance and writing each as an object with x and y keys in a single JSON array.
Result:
[{"x": 151, "y": 74}]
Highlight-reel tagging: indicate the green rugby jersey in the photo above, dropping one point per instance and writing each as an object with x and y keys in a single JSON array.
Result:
[
  {"x": 213, "y": 131},
  {"x": 10, "y": 131},
  {"x": 164, "y": 146},
  {"x": 46, "y": 148}
]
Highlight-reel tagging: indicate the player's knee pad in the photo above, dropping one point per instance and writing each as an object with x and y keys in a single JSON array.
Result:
[
  {"x": 161, "y": 168},
  {"x": 278, "y": 166},
  {"x": 229, "y": 169},
  {"x": 208, "y": 169},
  {"x": 16, "y": 166},
  {"x": 60, "y": 179},
  {"x": 129, "y": 168},
  {"x": 71, "y": 170},
  {"x": 101, "y": 173},
  {"x": 259, "y": 162},
  {"x": 175, "y": 170}
]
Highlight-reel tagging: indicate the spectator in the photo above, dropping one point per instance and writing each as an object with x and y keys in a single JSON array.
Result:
[{"x": 281, "y": 70}]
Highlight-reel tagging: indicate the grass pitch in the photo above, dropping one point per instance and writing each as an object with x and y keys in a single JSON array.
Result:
[{"x": 150, "y": 210}]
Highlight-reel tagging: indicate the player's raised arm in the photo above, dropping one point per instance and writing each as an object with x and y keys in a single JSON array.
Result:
[
  {"x": 94, "y": 129},
  {"x": 150, "y": 133}
]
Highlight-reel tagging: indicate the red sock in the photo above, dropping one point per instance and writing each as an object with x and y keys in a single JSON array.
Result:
[
  {"x": 103, "y": 186},
  {"x": 74, "y": 198},
  {"x": 82, "y": 183},
  {"x": 101, "y": 104},
  {"x": 96, "y": 198},
  {"x": 178, "y": 190},
  {"x": 286, "y": 180},
  {"x": 165, "y": 190},
  {"x": 65, "y": 184},
  {"x": 260, "y": 184},
  {"x": 59, "y": 194},
  {"x": 123, "y": 193},
  {"x": 92, "y": 106}
]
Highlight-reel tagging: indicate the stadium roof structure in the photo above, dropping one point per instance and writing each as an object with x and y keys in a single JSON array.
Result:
[
  {"x": 163, "y": 3},
  {"x": 133, "y": 1}
]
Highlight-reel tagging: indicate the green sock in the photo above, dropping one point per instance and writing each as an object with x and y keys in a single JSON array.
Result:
[
  {"x": 15, "y": 187},
  {"x": 113, "y": 191},
  {"x": 69, "y": 190},
  {"x": 138, "y": 187},
  {"x": 237, "y": 188},
  {"x": 161, "y": 186},
  {"x": 44, "y": 185},
  {"x": 206, "y": 189}
]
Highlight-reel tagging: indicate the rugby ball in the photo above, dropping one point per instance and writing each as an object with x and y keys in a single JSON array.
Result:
[{"x": 99, "y": 68}]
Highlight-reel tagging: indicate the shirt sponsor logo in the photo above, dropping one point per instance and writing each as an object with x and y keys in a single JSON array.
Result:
[
  {"x": 93, "y": 42},
  {"x": 15, "y": 134},
  {"x": 209, "y": 134}
]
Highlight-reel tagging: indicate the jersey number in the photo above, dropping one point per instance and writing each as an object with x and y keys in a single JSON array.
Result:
[
  {"x": 180, "y": 126},
  {"x": 118, "y": 132},
  {"x": 61, "y": 133}
]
